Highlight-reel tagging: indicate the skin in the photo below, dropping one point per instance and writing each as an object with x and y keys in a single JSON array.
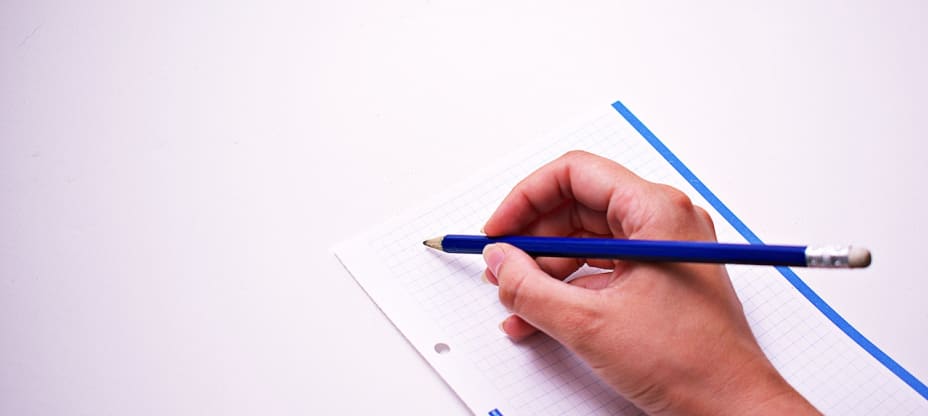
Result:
[{"x": 671, "y": 338}]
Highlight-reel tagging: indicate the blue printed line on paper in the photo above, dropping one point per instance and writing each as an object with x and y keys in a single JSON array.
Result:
[{"x": 788, "y": 273}]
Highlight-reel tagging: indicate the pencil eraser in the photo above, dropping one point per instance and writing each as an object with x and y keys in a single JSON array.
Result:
[{"x": 858, "y": 257}]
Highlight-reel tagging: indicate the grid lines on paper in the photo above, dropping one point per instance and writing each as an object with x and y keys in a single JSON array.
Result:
[{"x": 540, "y": 376}]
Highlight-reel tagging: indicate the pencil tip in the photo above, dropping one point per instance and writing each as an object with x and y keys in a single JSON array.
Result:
[{"x": 434, "y": 243}]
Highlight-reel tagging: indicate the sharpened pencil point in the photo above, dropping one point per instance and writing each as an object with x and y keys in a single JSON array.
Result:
[{"x": 434, "y": 243}]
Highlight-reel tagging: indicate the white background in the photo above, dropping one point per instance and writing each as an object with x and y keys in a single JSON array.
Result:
[{"x": 174, "y": 175}]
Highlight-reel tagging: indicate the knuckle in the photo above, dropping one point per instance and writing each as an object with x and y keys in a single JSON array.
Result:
[
  {"x": 677, "y": 198},
  {"x": 704, "y": 216},
  {"x": 576, "y": 153}
]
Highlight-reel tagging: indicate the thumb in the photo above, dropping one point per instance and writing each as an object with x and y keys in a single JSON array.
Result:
[{"x": 555, "y": 307}]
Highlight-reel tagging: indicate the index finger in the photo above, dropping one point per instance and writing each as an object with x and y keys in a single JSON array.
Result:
[{"x": 592, "y": 181}]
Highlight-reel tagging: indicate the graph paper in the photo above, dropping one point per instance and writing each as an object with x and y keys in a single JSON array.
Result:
[{"x": 450, "y": 315}]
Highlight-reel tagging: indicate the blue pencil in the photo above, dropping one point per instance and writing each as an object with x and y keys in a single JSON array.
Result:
[{"x": 663, "y": 251}]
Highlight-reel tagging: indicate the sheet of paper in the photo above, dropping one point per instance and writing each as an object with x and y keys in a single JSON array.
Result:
[{"x": 441, "y": 305}]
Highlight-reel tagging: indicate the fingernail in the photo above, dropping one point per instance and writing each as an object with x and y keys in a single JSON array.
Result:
[
  {"x": 502, "y": 327},
  {"x": 493, "y": 256},
  {"x": 489, "y": 278}
]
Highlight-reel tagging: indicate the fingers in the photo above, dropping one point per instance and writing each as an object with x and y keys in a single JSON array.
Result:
[
  {"x": 516, "y": 328},
  {"x": 584, "y": 193},
  {"x": 559, "y": 267},
  {"x": 557, "y": 308},
  {"x": 562, "y": 267},
  {"x": 590, "y": 180},
  {"x": 569, "y": 219},
  {"x": 594, "y": 281},
  {"x": 667, "y": 213},
  {"x": 706, "y": 220}
]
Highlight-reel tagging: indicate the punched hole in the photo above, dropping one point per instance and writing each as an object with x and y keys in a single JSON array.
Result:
[{"x": 442, "y": 348}]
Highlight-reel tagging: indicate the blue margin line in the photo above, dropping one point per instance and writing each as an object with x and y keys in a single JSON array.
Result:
[{"x": 788, "y": 273}]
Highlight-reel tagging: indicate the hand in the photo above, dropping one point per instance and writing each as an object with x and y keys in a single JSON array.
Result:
[{"x": 669, "y": 337}]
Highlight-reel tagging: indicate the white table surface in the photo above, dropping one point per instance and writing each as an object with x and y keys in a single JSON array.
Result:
[{"x": 173, "y": 175}]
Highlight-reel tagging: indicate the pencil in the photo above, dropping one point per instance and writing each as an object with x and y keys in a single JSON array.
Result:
[{"x": 663, "y": 251}]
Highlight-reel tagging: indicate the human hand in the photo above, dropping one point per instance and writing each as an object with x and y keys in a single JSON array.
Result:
[{"x": 669, "y": 337}]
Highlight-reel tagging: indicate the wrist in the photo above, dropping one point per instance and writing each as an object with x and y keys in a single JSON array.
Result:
[
  {"x": 751, "y": 386},
  {"x": 761, "y": 390}
]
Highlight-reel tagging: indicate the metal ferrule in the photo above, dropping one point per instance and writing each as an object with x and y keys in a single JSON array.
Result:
[{"x": 828, "y": 256}]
